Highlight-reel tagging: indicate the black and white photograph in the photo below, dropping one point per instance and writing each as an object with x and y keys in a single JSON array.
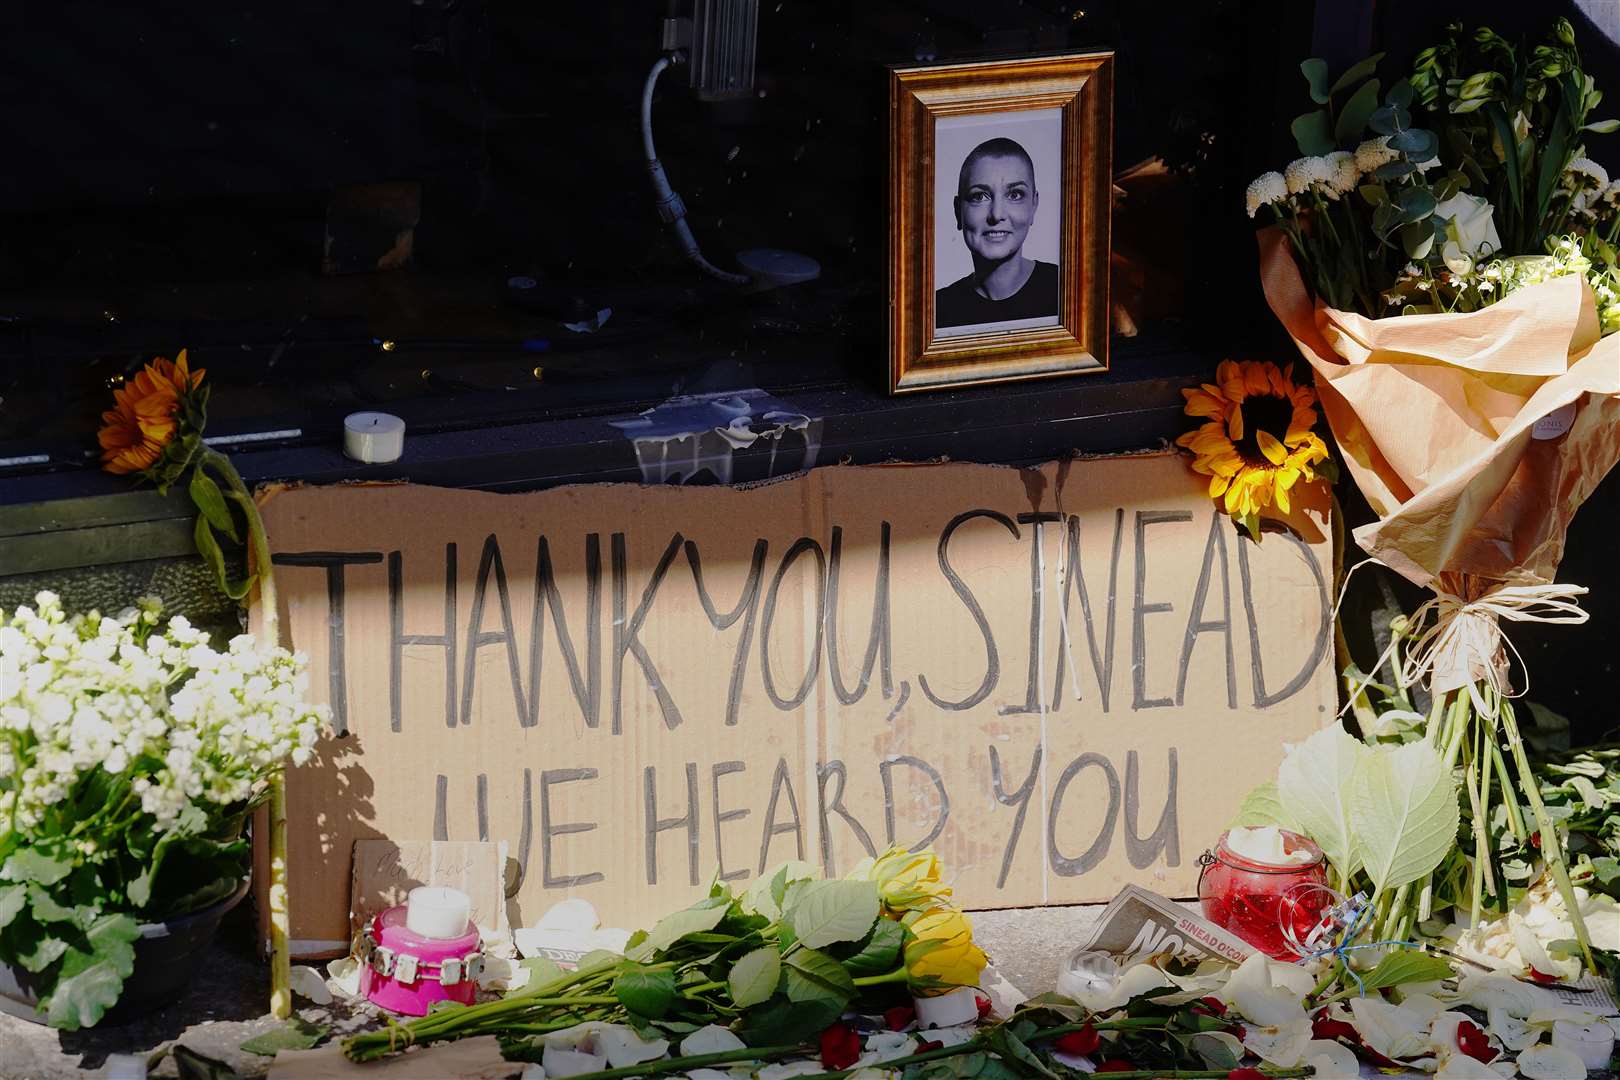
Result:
[{"x": 998, "y": 197}]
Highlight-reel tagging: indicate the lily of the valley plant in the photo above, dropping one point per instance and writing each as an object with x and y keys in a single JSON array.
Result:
[{"x": 155, "y": 432}]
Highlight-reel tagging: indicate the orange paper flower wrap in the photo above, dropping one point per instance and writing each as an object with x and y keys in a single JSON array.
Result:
[{"x": 1474, "y": 436}]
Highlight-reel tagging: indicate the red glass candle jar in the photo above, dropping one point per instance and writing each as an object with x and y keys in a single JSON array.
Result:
[{"x": 1258, "y": 900}]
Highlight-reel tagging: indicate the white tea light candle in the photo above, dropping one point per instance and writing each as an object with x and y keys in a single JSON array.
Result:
[
  {"x": 1592, "y": 1043},
  {"x": 436, "y": 912},
  {"x": 947, "y": 1010},
  {"x": 373, "y": 437}
]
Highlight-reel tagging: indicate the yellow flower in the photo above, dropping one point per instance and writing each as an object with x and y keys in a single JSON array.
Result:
[
  {"x": 906, "y": 880},
  {"x": 941, "y": 955},
  {"x": 144, "y": 419},
  {"x": 1256, "y": 442}
]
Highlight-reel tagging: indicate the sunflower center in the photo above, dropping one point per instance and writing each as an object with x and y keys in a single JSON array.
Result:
[{"x": 1267, "y": 413}]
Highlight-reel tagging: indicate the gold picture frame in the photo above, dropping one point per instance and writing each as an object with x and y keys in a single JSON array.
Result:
[{"x": 1067, "y": 102}]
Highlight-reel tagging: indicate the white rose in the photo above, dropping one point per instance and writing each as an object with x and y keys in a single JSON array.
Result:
[{"x": 1470, "y": 227}]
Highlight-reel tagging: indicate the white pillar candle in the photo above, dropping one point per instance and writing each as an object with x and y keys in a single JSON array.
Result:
[
  {"x": 947, "y": 1010},
  {"x": 373, "y": 437},
  {"x": 1592, "y": 1043},
  {"x": 435, "y": 912}
]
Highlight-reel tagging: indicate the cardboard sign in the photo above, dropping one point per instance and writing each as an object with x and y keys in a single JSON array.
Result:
[{"x": 1065, "y": 679}]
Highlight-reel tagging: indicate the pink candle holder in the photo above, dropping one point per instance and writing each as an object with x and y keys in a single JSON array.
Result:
[{"x": 407, "y": 973}]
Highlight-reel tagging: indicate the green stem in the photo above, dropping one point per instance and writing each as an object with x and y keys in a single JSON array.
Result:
[
  {"x": 697, "y": 1061},
  {"x": 1329, "y": 977},
  {"x": 899, "y": 974}
]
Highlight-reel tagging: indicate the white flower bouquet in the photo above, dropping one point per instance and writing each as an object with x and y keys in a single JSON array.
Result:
[
  {"x": 1450, "y": 277},
  {"x": 130, "y": 754}
]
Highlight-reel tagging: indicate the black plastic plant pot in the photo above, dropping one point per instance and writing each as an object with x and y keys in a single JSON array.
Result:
[{"x": 167, "y": 955}]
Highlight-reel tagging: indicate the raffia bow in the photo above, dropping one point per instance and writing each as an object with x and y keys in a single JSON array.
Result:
[{"x": 1457, "y": 643}]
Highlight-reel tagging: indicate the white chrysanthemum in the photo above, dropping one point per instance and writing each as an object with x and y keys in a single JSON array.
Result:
[
  {"x": 1427, "y": 164},
  {"x": 1584, "y": 172},
  {"x": 1373, "y": 153},
  {"x": 1346, "y": 175},
  {"x": 1302, "y": 173},
  {"x": 1268, "y": 187}
]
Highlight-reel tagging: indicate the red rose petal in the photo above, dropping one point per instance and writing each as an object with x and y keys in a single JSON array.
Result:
[
  {"x": 1084, "y": 1041},
  {"x": 923, "y": 1048},
  {"x": 1246, "y": 1074},
  {"x": 899, "y": 1017},
  {"x": 1475, "y": 1043},
  {"x": 1324, "y": 1026},
  {"x": 1113, "y": 1065},
  {"x": 840, "y": 1047},
  {"x": 983, "y": 1004}
]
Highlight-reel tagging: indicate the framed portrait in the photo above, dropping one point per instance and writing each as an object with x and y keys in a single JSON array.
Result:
[{"x": 999, "y": 206}]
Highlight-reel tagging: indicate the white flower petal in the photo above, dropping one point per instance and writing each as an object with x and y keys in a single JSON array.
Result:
[
  {"x": 888, "y": 1046},
  {"x": 712, "y": 1039},
  {"x": 1390, "y": 1030},
  {"x": 1551, "y": 1063},
  {"x": 1282, "y": 1045},
  {"x": 624, "y": 1047},
  {"x": 1331, "y": 1060},
  {"x": 1513, "y": 1033}
]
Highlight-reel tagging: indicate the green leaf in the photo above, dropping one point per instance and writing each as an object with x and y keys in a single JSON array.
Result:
[
  {"x": 754, "y": 977},
  {"x": 206, "y": 497},
  {"x": 296, "y": 1034},
  {"x": 208, "y": 548},
  {"x": 1372, "y": 194},
  {"x": 1356, "y": 72},
  {"x": 1406, "y": 966},
  {"x": 1416, "y": 203},
  {"x": 1402, "y": 812},
  {"x": 1218, "y": 1049},
  {"x": 1263, "y": 806},
  {"x": 1394, "y": 170},
  {"x": 782, "y": 1022},
  {"x": 674, "y": 926},
  {"x": 825, "y": 912},
  {"x": 34, "y": 946},
  {"x": 646, "y": 992},
  {"x": 1400, "y": 94},
  {"x": 31, "y": 864},
  {"x": 882, "y": 950},
  {"x": 1510, "y": 162},
  {"x": 90, "y": 982},
  {"x": 542, "y": 970},
  {"x": 1312, "y": 133},
  {"x": 1313, "y": 785},
  {"x": 46, "y": 908},
  {"x": 12, "y": 898},
  {"x": 1010, "y": 1046},
  {"x": 1415, "y": 143},
  {"x": 1601, "y": 127},
  {"x": 815, "y": 976},
  {"x": 1315, "y": 71},
  {"x": 1353, "y": 116},
  {"x": 1607, "y": 869},
  {"x": 194, "y": 1066}
]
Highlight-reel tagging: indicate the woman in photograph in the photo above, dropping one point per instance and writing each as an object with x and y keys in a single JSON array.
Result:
[{"x": 995, "y": 206}]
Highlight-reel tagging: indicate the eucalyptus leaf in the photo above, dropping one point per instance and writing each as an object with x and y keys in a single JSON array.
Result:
[
  {"x": 1416, "y": 203},
  {"x": 1372, "y": 194},
  {"x": 1403, "y": 813},
  {"x": 825, "y": 912},
  {"x": 1312, "y": 133},
  {"x": 1400, "y": 94},
  {"x": 1353, "y": 115},
  {"x": 1315, "y": 71},
  {"x": 753, "y": 978},
  {"x": 1355, "y": 73},
  {"x": 1313, "y": 785},
  {"x": 1394, "y": 170}
]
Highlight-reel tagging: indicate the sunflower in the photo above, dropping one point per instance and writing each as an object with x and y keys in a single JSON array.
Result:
[
  {"x": 146, "y": 415},
  {"x": 1256, "y": 442}
]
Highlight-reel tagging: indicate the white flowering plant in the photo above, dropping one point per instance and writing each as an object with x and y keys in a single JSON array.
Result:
[
  {"x": 131, "y": 751},
  {"x": 1399, "y": 201}
]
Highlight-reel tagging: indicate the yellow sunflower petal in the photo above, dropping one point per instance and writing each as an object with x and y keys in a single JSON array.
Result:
[
  {"x": 1230, "y": 377},
  {"x": 1255, "y": 378},
  {"x": 1218, "y": 485},
  {"x": 1234, "y": 425},
  {"x": 1269, "y": 446},
  {"x": 1202, "y": 404},
  {"x": 1226, "y": 464},
  {"x": 1281, "y": 384},
  {"x": 1282, "y": 499}
]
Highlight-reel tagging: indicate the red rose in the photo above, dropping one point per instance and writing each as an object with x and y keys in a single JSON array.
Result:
[
  {"x": 840, "y": 1046},
  {"x": 899, "y": 1017},
  {"x": 1246, "y": 1074},
  {"x": 1475, "y": 1043},
  {"x": 1084, "y": 1041},
  {"x": 1324, "y": 1026},
  {"x": 1116, "y": 1065},
  {"x": 923, "y": 1048}
]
